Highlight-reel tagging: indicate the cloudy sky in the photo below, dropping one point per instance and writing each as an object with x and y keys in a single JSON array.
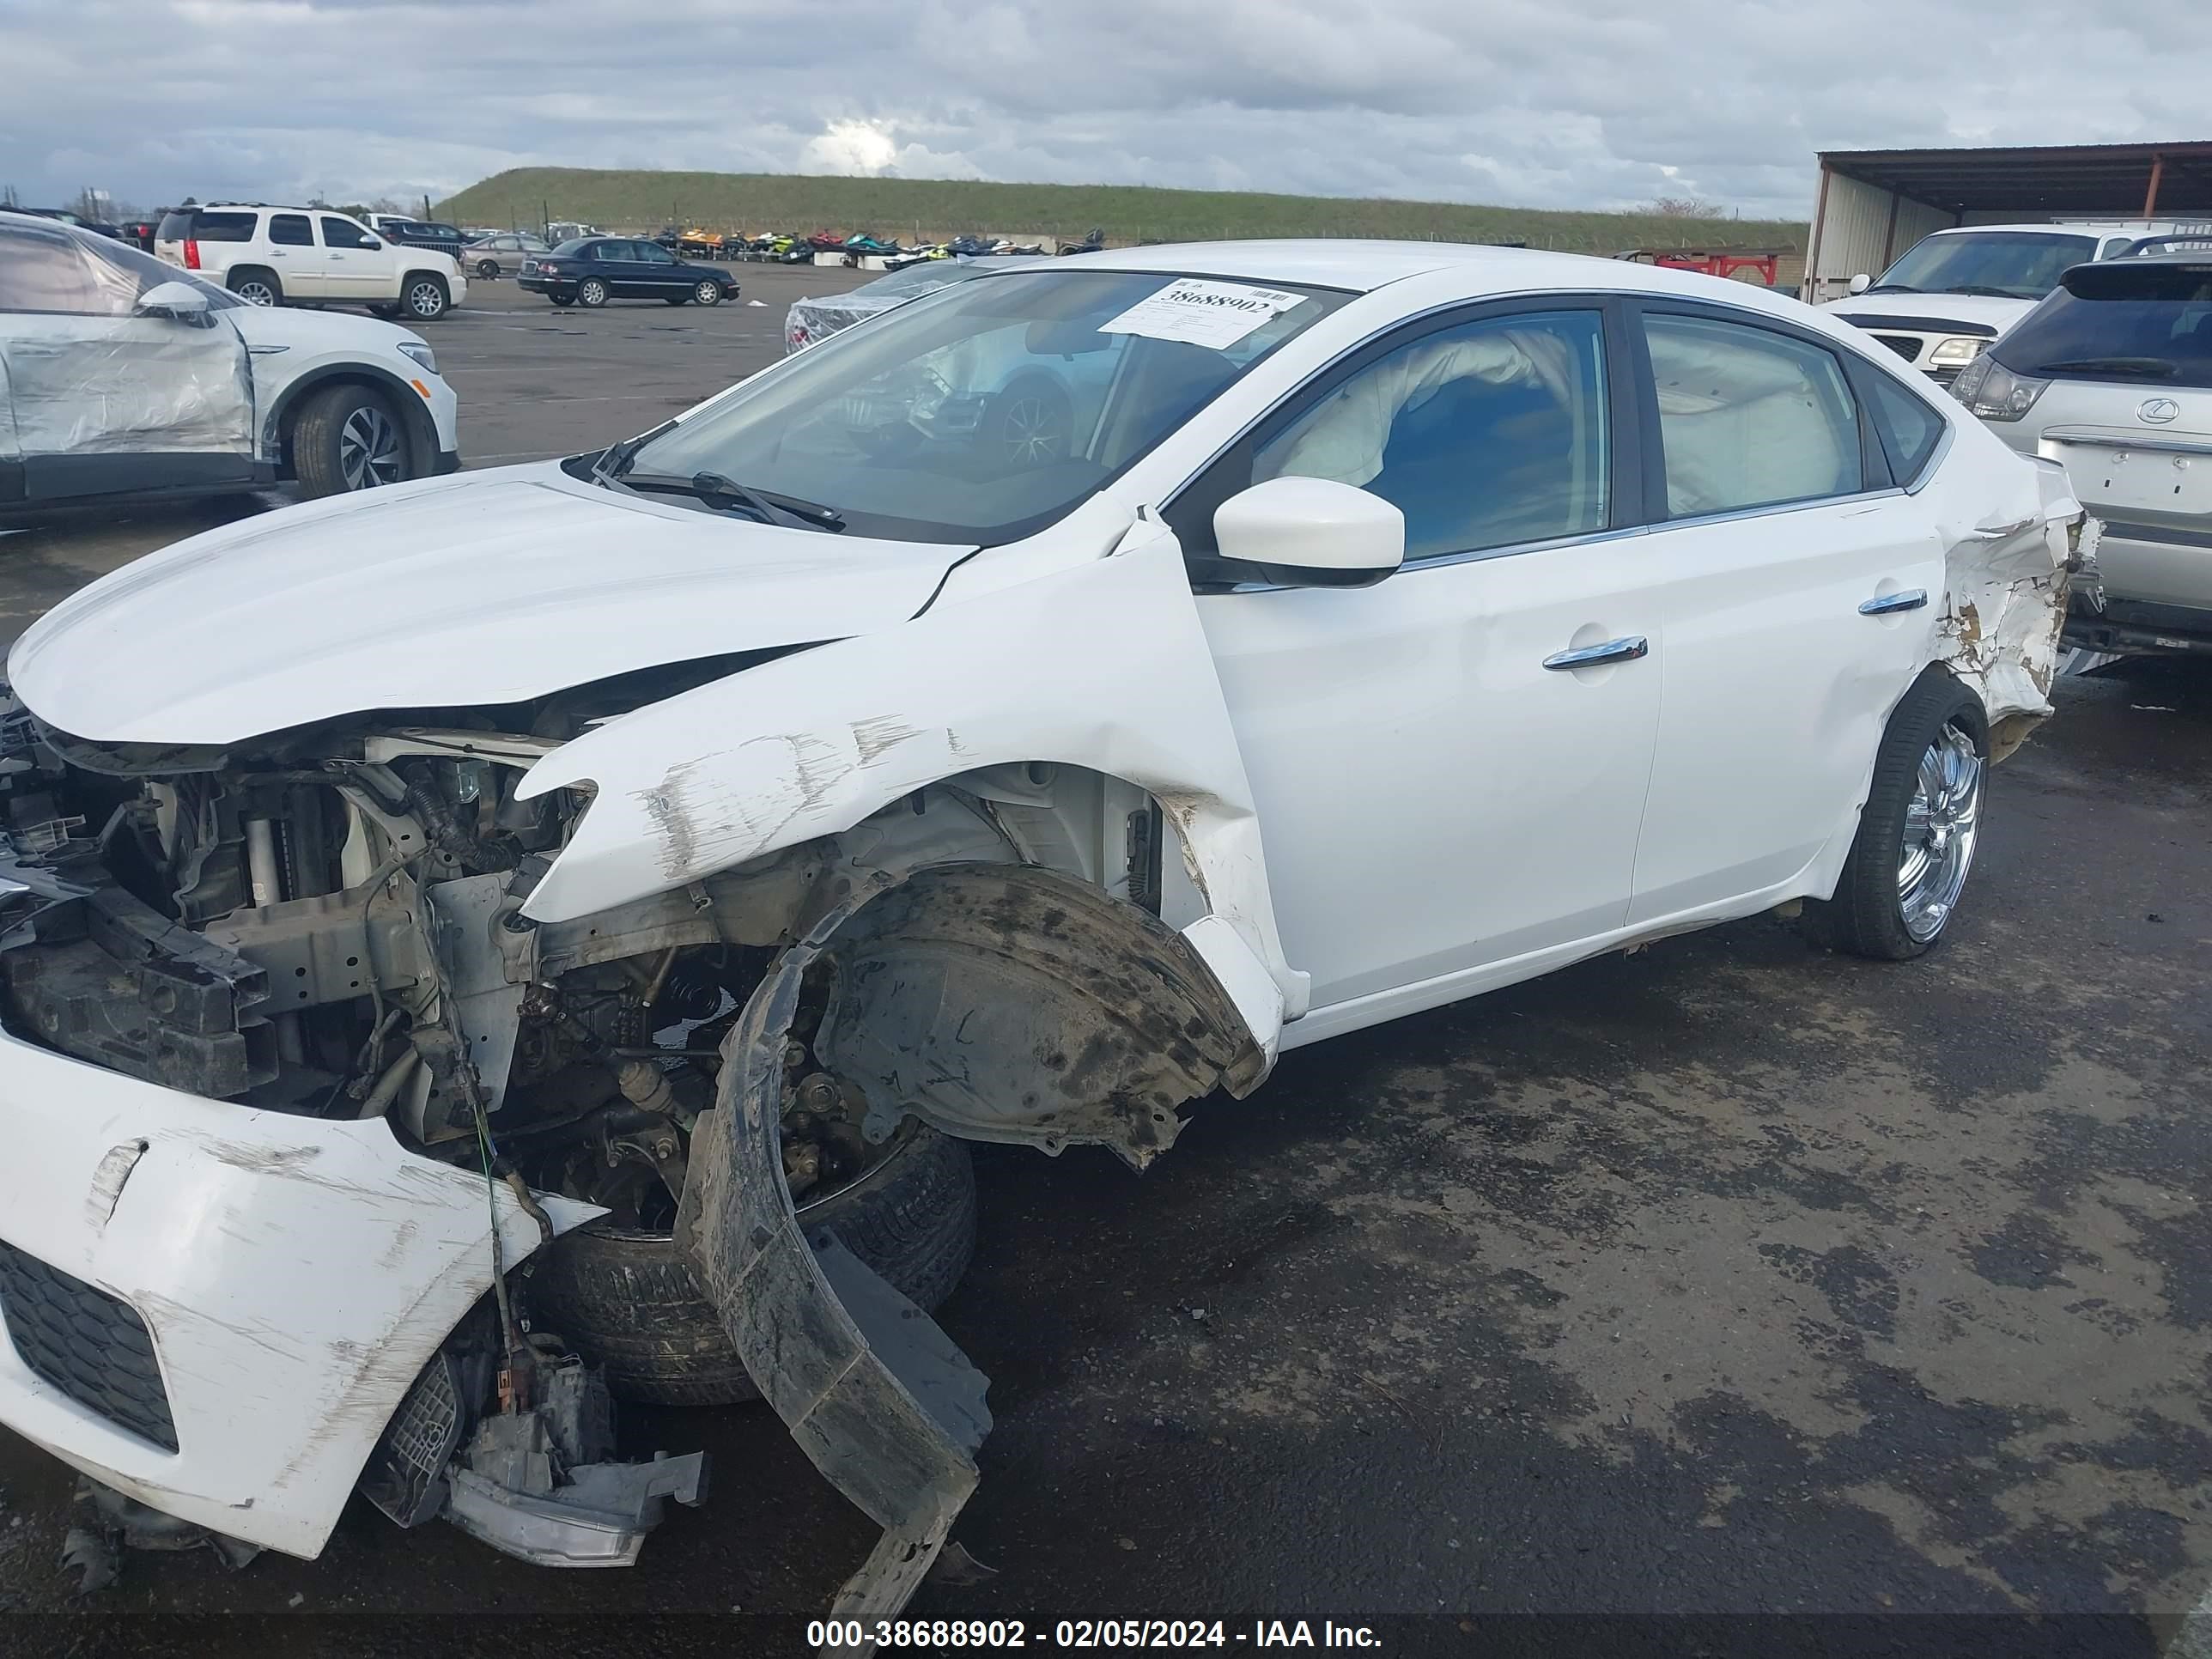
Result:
[{"x": 1547, "y": 103}]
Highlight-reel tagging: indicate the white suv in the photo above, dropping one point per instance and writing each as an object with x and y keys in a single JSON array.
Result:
[
  {"x": 1940, "y": 306},
  {"x": 119, "y": 373},
  {"x": 274, "y": 256}
]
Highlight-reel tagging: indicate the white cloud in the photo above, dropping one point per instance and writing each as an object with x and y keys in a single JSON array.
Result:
[{"x": 1554, "y": 103}]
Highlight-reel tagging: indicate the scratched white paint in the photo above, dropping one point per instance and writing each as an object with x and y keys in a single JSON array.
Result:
[{"x": 296, "y": 1273}]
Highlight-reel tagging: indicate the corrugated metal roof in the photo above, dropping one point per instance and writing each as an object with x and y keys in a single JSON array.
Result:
[{"x": 2039, "y": 178}]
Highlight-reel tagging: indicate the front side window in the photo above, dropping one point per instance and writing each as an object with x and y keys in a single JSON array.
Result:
[
  {"x": 987, "y": 411},
  {"x": 344, "y": 234},
  {"x": 1997, "y": 264},
  {"x": 1749, "y": 417},
  {"x": 290, "y": 230},
  {"x": 48, "y": 270},
  {"x": 1486, "y": 435}
]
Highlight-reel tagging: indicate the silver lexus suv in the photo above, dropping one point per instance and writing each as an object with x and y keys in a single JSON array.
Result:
[{"x": 2112, "y": 377}]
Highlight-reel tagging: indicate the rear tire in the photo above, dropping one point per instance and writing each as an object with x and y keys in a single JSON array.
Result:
[
  {"x": 257, "y": 285},
  {"x": 349, "y": 438},
  {"x": 630, "y": 1303},
  {"x": 563, "y": 300},
  {"x": 487, "y": 269},
  {"x": 1915, "y": 845}
]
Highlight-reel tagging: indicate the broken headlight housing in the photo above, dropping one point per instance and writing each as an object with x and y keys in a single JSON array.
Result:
[{"x": 1994, "y": 392}]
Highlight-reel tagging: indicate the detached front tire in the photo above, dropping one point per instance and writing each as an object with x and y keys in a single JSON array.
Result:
[
  {"x": 629, "y": 1302},
  {"x": 349, "y": 438},
  {"x": 1915, "y": 847}
]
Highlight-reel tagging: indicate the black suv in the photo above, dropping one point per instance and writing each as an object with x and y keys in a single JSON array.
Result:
[
  {"x": 425, "y": 232},
  {"x": 593, "y": 269}
]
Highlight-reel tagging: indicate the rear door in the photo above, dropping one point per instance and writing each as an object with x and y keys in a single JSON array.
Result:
[
  {"x": 294, "y": 254},
  {"x": 1798, "y": 595},
  {"x": 99, "y": 399}
]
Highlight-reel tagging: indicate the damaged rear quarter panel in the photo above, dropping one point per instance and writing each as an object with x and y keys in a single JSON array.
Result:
[{"x": 1103, "y": 665}]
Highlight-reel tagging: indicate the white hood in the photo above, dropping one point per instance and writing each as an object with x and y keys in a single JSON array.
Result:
[
  {"x": 482, "y": 588},
  {"x": 1929, "y": 311}
]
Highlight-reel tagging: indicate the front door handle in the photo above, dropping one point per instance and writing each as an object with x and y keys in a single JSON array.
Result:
[
  {"x": 1627, "y": 649},
  {"x": 1883, "y": 605}
]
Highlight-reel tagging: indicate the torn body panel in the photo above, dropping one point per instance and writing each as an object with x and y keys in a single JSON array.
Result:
[
  {"x": 879, "y": 1399},
  {"x": 810, "y": 745},
  {"x": 2004, "y": 602}
]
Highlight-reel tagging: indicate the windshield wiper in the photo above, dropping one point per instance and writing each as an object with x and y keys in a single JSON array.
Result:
[
  {"x": 2150, "y": 368},
  {"x": 1983, "y": 291},
  {"x": 1891, "y": 288},
  {"x": 616, "y": 459},
  {"x": 760, "y": 504}
]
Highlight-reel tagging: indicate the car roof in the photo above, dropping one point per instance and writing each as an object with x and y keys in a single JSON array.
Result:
[
  {"x": 1364, "y": 267},
  {"x": 2045, "y": 228}
]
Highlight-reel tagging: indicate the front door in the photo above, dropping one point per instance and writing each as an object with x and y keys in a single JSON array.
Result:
[
  {"x": 1801, "y": 588},
  {"x": 659, "y": 277},
  {"x": 358, "y": 265},
  {"x": 99, "y": 399},
  {"x": 1450, "y": 765}
]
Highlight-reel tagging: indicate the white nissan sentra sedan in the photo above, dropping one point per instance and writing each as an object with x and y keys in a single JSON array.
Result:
[{"x": 603, "y": 897}]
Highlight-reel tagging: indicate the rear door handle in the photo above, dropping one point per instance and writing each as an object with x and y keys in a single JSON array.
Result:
[
  {"x": 1627, "y": 649},
  {"x": 1882, "y": 605}
]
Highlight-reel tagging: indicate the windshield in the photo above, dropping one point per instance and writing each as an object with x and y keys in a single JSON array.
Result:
[
  {"x": 2129, "y": 320},
  {"x": 987, "y": 411},
  {"x": 2005, "y": 263}
]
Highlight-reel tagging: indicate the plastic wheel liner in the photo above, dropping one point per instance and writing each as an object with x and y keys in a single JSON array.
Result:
[{"x": 950, "y": 987}]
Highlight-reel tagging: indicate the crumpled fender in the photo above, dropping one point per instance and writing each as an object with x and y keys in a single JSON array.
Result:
[
  {"x": 1103, "y": 665},
  {"x": 2004, "y": 603}
]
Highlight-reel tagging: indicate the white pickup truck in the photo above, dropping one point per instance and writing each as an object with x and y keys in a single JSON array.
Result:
[
  {"x": 1940, "y": 305},
  {"x": 275, "y": 255}
]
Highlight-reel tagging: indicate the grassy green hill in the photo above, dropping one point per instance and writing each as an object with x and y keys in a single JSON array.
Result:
[{"x": 908, "y": 208}]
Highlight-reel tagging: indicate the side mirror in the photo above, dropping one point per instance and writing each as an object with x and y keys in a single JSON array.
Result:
[
  {"x": 1311, "y": 532},
  {"x": 371, "y": 245},
  {"x": 180, "y": 300},
  {"x": 1861, "y": 283}
]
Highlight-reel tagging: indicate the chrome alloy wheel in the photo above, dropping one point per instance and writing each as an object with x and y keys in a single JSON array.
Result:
[
  {"x": 369, "y": 449},
  {"x": 1941, "y": 822}
]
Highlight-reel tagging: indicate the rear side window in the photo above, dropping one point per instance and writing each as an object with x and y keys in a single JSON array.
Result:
[
  {"x": 1749, "y": 417},
  {"x": 290, "y": 230},
  {"x": 213, "y": 228},
  {"x": 1910, "y": 429},
  {"x": 2129, "y": 321}
]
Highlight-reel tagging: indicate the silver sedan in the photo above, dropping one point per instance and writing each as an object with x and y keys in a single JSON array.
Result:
[{"x": 502, "y": 255}]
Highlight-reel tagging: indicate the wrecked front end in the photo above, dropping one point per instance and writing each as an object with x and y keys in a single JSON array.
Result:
[{"x": 311, "y": 1075}]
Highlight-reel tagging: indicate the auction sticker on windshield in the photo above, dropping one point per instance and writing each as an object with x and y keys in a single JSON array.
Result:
[{"x": 1198, "y": 312}]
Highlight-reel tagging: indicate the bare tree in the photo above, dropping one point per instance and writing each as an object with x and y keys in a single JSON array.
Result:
[{"x": 1683, "y": 207}]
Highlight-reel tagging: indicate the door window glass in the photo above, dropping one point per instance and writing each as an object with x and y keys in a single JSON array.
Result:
[
  {"x": 344, "y": 234},
  {"x": 611, "y": 252},
  {"x": 653, "y": 254},
  {"x": 290, "y": 230},
  {"x": 1910, "y": 428},
  {"x": 1748, "y": 417},
  {"x": 48, "y": 271},
  {"x": 1484, "y": 435}
]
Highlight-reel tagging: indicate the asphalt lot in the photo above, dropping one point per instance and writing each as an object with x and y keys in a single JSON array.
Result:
[{"x": 1730, "y": 1278}]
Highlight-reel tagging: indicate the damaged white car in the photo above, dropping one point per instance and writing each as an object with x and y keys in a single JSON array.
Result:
[{"x": 551, "y": 930}]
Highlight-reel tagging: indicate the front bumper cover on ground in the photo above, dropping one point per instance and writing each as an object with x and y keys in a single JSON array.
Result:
[{"x": 293, "y": 1276}]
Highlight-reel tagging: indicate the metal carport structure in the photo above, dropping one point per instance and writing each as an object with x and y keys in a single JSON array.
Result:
[{"x": 1873, "y": 205}]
